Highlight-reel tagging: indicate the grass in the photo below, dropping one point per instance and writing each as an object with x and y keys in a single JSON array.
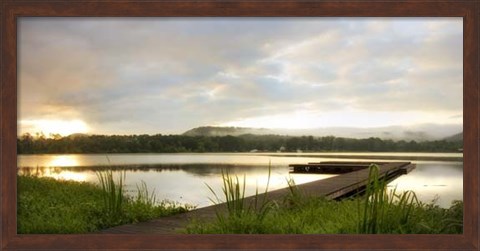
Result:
[
  {"x": 383, "y": 211},
  {"x": 49, "y": 206},
  {"x": 113, "y": 194},
  {"x": 376, "y": 212},
  {"x": 240, "y": 216}
]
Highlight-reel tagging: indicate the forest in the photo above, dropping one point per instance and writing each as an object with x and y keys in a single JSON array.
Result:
[{"x": 29, "y": 144}]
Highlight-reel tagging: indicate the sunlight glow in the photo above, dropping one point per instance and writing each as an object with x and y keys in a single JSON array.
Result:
[
  {"x": 80, "y": 177},
  {"x": 64, "y": 161},
  {"x": 48, "y": 127}
]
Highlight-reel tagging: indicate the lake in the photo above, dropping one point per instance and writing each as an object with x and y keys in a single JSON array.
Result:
[{"x": 183, "y": 178}]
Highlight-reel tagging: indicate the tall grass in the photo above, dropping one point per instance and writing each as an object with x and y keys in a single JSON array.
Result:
[
  {"x": 144, "y": 196},
  {"x": 383, "y": 210},
  {"x": 233, "y": 193},
  {"x": 243, "y": 215},
  {"x": 295, "y": 198},
  {"x": 49, "y": 206},
  {"x": 121, "y": 208},
  {"x": 377, "y": 211},
  {"x": 113, "y": 194},
  {"x": 262, "y": 207}
]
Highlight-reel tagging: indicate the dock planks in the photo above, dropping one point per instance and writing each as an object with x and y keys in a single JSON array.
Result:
[
  {"x": 333, "y": 188},
  {"x": 331, "y": 167}
]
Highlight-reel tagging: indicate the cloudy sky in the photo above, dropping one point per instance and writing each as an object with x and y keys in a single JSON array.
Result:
[{"x": 168, "y": 75}]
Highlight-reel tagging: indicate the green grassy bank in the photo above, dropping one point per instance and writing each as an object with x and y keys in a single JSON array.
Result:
[
  {"x": 320, "y": 216},
  {"x": 48, "y": 206},
  {"x": 379, "y": 211}
]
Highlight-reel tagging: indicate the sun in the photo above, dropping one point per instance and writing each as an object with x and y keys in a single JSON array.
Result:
[{"x": 54, "y": 126}]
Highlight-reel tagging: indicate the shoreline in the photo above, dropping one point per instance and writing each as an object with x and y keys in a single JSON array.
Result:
[{"x": 381, "y": 157}]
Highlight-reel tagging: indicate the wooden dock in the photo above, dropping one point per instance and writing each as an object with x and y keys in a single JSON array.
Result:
[
  {"x": 331, "y": 167},
  {"x": 340, "y": 186},
  {"x": 350, "y": 183}
]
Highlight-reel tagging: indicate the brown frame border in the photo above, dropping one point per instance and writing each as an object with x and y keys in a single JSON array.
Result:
[{"x": 10, "y": 10}]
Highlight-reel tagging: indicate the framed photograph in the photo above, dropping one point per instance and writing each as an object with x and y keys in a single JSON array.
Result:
[{"x": 145, "y": 115}]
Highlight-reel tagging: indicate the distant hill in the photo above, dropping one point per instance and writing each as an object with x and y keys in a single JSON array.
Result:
[
  {"x": 224, "y": 131},
  {"x": 455, "y": 137},
  {"x": 78, "y": 135},
  {"x": 423, "y": 132}
]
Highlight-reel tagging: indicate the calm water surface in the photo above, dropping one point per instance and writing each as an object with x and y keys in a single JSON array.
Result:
[{"x": 183, "y": 177}]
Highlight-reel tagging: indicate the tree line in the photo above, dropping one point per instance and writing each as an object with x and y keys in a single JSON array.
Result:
[{"x": 28, "y": 144}]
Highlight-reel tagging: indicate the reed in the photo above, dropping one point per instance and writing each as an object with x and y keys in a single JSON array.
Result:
[
  {"x": 382, "y": 210},
  {"x": 81, "y": 207},
  {"x": 113, "y": 194},
  {"x": 261, "y": 208},
  {"x": 377, "y": 211},
  {"x": 242, "y": 215},
  {"x": 144, "y": 196}
]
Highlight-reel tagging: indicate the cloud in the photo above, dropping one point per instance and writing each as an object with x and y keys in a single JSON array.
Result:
[{"x": 154, "y": 75}]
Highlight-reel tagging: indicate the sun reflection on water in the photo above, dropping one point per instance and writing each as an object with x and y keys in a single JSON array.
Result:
[
  {"x": 55, "y": 168},
  {"x": 82, "y": 177},
  {"x": 64, "y": 161}
]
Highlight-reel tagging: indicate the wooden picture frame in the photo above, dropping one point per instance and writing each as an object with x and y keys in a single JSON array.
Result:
[{"x": 11, "y": 10}]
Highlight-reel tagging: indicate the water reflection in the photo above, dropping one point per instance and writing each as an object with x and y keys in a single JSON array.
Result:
[
  {"x": 183, "y": 177},
  {"x": 55, "y": 172},
  {"x": 207, "y": 158},
  {"x": 64, "y": 161},
  {"x": 440, "y": 181},
  {"x": 182, "y": 183}
]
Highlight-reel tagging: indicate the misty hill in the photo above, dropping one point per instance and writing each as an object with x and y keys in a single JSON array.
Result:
[
  {"x": 77, "y": 135},
  {"x": 224, "y": 131},
  {"x": 423, "y": 132},
  {"x": 454, "y": 138}
]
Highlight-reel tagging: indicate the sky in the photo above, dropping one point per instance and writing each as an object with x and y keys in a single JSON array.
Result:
[{"x": 169, "y": 75}]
